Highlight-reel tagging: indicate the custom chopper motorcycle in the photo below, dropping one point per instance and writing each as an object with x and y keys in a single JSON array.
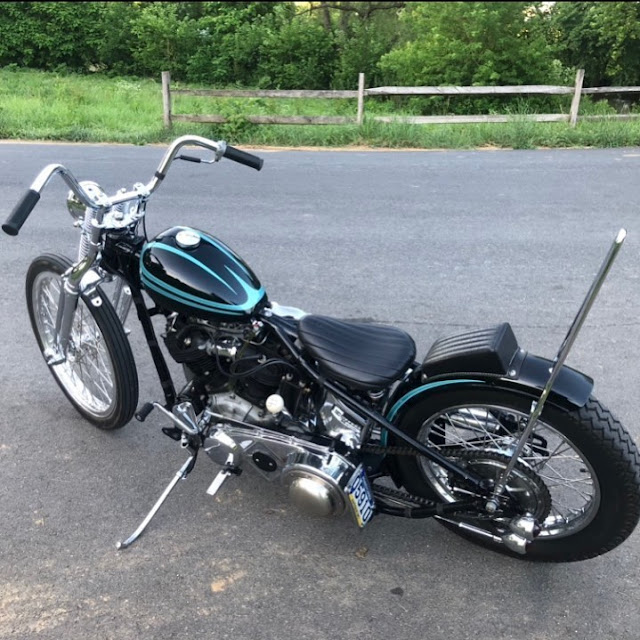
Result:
[{"x": 504, "y": 447}]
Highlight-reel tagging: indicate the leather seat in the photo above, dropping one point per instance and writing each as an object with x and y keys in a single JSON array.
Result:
[{"x": 361, "y": 356}]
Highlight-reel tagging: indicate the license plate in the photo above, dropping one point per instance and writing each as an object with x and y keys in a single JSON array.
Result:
[{"x": 361, "y": 497}]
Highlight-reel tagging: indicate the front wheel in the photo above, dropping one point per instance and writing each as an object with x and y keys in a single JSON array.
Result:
[
  {"x": 579, "y": 474},
  {"x": 99, "y": 375}
]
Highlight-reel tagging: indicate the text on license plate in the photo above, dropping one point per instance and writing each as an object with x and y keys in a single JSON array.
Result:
[{"x": 361, "y": 497}]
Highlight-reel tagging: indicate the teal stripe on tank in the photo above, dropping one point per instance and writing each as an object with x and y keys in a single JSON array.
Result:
[
  {"x": 186, "y": 298},
  {"x": 182, "y": 254},
  {"x": 224, "y": 250},
  {"x": 218, "y": 245},
  {"x": 187, "y": 303}
]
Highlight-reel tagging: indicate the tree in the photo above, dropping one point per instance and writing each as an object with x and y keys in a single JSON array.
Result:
[
  {"x": 469, "y": 43},
  {"x": 47, "y": 35},
  {"x": 601, "y": 37},
  {"x": 299, "y": 55},
  {"x": 362, "y": 32},
  {"x": 162, "y": 40}
]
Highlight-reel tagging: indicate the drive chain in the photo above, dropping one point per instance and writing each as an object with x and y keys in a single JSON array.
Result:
[
  {"x": 388, "y": 491},
  {"x": 401, "y": 495},
  {"x": 393, "y": 451}
]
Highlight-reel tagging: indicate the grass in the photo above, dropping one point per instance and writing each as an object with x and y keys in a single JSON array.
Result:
[{"x": 48, "y": 106}]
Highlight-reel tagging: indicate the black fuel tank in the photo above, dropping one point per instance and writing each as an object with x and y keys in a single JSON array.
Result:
[{"x": 189, "y": 271}]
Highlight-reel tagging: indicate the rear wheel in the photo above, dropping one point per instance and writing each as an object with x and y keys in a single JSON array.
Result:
[
  {"x": 99, "y": 375},
  {"x": 579, "y": 474}
]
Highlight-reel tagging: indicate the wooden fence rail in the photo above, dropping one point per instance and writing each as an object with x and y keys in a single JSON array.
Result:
[{"x": 577, "y": 91}]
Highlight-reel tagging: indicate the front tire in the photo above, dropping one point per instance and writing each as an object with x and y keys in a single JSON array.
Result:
[
  {"x": 590, "y": 500},
  {"x": 99, "y": 376}
]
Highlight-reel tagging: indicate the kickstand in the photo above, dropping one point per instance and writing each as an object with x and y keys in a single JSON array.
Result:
[{"x": 184, "y": 471}]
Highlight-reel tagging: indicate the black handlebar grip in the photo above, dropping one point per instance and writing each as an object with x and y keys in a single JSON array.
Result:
[
  {"x": 243, "y": 157},
  {"x": 21, "y": 212}
]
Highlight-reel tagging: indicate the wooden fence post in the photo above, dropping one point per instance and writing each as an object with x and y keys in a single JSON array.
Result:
[
  {"x": 166, "y": 98},
  {"x": 360, "y": 99},
  {"x": 577, "y": 93}
]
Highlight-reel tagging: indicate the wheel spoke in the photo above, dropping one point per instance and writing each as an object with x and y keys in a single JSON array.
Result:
[
  {"x": 88, "y": 373},
  {"x": 572, "y": 490}
]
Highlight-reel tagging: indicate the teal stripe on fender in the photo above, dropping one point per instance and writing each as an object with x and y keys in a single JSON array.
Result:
[
  {"x": 417, "y": 391},
  {"x": 393, "y": 412}
]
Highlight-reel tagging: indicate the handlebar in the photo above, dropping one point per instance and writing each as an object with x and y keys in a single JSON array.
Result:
[
  {"x": 21, "y": 212},
  {"x": 26, "y": 205},
  {"x": 243, "y": 157}
]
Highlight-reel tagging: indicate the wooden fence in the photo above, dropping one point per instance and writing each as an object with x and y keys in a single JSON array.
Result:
[{"x": 572, "y": 117}]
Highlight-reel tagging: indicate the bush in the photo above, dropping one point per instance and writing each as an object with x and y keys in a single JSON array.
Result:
[{"x": 300, "y": 55}]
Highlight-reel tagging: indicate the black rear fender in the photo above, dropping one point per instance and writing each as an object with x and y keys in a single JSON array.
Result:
[{"x": 488, "y": 357}]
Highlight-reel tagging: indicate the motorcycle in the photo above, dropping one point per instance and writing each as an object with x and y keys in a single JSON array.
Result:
[{"x": 506, "y": 448}]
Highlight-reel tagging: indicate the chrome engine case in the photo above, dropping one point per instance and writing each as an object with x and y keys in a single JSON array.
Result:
[{"x": 316, "y": 477}]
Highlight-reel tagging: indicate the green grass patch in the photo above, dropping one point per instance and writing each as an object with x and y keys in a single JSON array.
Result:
[{"x": 36, "y": 105}]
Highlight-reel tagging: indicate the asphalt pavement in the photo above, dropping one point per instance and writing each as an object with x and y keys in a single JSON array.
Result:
[{"x": 432, "y": 242}]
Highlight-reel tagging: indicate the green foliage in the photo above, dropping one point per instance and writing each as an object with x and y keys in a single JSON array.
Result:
[
  {"x": 114, "y": 48},
  {"x": 50, "y": 35},
  {"x": 363, "y": 32},
  {"x": 321, "y": 45},
  {"x": 229, "y": 40},
  {"x": 298, "y": 55},
  {"x": 468, "y": 43},
  {"x": 473, "y": 43},
  {"x": 161, "y": 40},
  {"x": 601, "y": 37}
]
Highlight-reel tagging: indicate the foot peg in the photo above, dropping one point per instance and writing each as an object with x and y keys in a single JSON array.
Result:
[
  {"x": 173, "y": 432},
  {"x": 228, "y": 471},
  {"x": 144, "y": 412}
]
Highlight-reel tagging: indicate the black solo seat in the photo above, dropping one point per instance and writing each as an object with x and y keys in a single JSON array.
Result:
[{"x": 361, "y": 356}]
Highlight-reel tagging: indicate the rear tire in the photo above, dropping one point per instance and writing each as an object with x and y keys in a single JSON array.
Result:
[
  {"x": 583, "y": 455},
  {"x": 99, "y": 376}
]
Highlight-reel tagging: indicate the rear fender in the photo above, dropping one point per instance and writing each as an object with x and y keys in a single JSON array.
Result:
[{"x": 527, "y": 373}]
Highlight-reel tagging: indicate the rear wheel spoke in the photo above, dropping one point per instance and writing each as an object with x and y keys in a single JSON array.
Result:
[{"x": 568, "y": 477}]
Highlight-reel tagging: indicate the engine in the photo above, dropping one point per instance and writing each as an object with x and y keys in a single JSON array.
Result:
[
  {"x": 233, "y": 369},
  {"x": 230, "y": 357}
]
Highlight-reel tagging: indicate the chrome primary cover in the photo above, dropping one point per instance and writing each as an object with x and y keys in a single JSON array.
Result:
[
  {"x": 316, "y": 477},
  {"x": 316, "y": 483}
]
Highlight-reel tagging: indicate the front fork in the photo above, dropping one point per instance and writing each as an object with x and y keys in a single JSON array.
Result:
[
  {"x": 81, "y": 279},
  {"x": 70, "y": 290}
]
